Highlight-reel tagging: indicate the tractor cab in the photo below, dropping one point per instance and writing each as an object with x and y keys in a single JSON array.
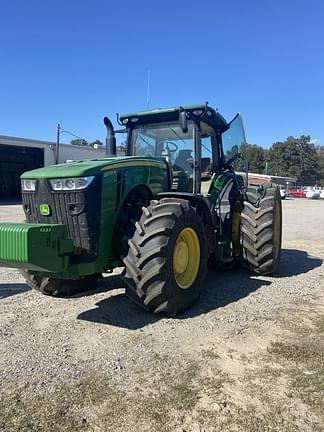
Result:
[{"x": 196, "y": 141}]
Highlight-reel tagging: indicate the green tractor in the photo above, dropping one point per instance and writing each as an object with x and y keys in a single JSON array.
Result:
[{"x": 168, "y": 210}]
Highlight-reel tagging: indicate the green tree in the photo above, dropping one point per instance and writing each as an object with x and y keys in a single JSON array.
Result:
[
  {"x": 79, "y": 142},
  {"x": 256, "y": 157},
  {"x": 320, "y": 154},
  {"x": 295, "y": 157}
]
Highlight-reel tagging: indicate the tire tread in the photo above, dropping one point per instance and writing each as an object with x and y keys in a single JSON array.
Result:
[{"x": 257, "y": 232}]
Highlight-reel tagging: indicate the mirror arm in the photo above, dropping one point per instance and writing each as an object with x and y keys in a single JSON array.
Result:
[{"x": 237, "y": 156}]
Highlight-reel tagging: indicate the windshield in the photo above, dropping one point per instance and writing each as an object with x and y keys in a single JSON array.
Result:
[{"x": 165, "y": 140}]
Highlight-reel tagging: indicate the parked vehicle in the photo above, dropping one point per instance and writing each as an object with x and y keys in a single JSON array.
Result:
[
  {"x": 311, "y": 192},
  {"x": 297, "y": 192}
]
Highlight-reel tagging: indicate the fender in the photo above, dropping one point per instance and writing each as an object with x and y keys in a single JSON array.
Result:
[{"x": 204, "y": 207}]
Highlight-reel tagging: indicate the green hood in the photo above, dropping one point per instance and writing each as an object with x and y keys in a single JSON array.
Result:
[{"x": 91, "y": 167}]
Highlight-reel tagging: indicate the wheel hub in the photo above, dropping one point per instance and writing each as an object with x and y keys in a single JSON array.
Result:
[
  {"x": 181, "y": 257},
  {"x": 186, "y": 258}
]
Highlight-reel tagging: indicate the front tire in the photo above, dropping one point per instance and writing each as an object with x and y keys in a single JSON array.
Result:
[
  {"x": 261, "y": 232},
  {"x": 60, "y": 287},
  {"x": 167, "y": 258}
]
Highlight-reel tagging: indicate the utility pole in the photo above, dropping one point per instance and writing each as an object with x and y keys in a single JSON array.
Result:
[
  {"x": 59, "y": 131},
  {"x": 57, "y": 143}
]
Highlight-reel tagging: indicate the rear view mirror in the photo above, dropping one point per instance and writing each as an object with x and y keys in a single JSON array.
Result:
[{"x": 183, "y": 121}]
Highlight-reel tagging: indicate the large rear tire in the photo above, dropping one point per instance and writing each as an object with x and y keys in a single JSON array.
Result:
[
  {"x": 167, "y": 258},
  {"x": 60, "y": 287},
  {"x": 261, "y": 231}
]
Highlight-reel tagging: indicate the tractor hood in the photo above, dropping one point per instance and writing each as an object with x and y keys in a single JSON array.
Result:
[{"x": 91, "y": 167}]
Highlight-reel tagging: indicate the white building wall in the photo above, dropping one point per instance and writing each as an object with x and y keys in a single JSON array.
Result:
[{"x": 68, "y": 152}]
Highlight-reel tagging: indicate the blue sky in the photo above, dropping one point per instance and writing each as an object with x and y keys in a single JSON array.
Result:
[{"x": 73, "y": 62}]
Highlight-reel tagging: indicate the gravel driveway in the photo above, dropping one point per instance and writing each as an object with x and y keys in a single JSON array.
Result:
[{"x": 247, "y": 357}]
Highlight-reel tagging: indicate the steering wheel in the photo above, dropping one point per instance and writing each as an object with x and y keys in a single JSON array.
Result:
[{"x": 167, "y": 143}]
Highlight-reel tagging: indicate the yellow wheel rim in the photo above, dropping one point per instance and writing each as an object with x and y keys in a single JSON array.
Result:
[
  {"x": 236, "y": 221},
  {"x": 186, "y": 258}
]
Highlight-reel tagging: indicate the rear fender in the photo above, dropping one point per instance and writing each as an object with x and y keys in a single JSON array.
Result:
[{"x": 204, "y": 209}]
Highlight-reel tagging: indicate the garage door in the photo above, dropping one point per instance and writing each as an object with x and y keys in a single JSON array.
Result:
[{"x": 14, "y": 160}]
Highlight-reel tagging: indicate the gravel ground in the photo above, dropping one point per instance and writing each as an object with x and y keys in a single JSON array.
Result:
[{"x": 212, "y": 368}]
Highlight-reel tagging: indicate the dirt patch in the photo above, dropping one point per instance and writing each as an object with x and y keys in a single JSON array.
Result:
[{"x": 273, "y": 384}]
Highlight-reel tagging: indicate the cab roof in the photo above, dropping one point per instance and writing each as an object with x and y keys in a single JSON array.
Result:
[{"x": 201, "y": 111}]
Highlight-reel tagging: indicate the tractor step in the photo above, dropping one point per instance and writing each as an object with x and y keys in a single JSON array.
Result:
[{"x": 42, "y": 247}]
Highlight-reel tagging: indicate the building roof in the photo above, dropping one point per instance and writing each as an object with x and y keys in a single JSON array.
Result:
[{"x": 11, "y": 140}]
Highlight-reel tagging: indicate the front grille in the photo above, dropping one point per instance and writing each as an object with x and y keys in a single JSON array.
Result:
[{"x": 80, "y": 211}]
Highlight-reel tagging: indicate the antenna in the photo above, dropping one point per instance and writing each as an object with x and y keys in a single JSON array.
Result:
[{"x": 148, "y": 88}]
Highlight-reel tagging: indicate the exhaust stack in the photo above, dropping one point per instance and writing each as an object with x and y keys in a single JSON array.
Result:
[{"x": 110, "y": 139}]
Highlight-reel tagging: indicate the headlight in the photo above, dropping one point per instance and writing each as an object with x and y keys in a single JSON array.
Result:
[
  {"x": 73, "y": 183},
  {"x": 28, "y": 185}
]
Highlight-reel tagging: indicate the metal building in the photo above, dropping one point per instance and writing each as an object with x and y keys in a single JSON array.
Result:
[{"x": 18, "y": 155}]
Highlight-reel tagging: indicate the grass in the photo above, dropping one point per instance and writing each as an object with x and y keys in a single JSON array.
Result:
[
  {"x": 64, "y": 410},
  {"x": 305, "y": 369},
  {"x": 183, "y": 397},
  {"x": 302, "y": 362},
  {"x": 319, "y": 322},
  {"x": 210, "y": 353},
  {"x": 248, "y": 419},
  {"x": 95, "y": 401},
  {"x": 303, "y": 353}
]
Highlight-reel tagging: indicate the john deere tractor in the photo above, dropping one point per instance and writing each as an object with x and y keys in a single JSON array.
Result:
[{"x": 168, "y": 210}]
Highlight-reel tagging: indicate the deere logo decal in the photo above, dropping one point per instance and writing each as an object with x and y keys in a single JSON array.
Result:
[{"x": 44, "y": 209}]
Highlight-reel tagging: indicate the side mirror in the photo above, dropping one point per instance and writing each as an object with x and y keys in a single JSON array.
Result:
[{"x": 183, "y": 121}]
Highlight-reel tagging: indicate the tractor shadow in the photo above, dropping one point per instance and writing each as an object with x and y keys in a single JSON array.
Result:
[
  {"x": 294, "y": 262},
  {"x": 12, "y": 289},
  {"x": 220, "y": 289}
]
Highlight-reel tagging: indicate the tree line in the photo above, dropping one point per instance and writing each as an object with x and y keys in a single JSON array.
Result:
[
  {"x": 294, "y": 157},
  {"x": 83, "y": 142}
]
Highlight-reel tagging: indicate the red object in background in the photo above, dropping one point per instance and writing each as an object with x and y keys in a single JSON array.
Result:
[{"x": 297, "y": 193}]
